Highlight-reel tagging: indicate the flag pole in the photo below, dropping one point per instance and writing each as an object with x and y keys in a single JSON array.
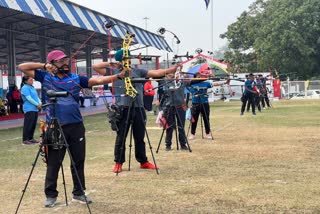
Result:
[{"x": 211, "y": 23}]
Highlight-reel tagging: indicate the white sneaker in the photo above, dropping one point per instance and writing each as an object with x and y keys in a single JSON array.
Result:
[
  {"x": 191, "y": 137},
  {"x": 208, "y": 136}
]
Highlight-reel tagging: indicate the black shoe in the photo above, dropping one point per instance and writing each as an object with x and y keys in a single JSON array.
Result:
[
  {"x": 168, "y": 148},
  {"x": 241, "y": 114},
  {"x": 253, "y": 113},
  {"x": 184, "y": 147}
]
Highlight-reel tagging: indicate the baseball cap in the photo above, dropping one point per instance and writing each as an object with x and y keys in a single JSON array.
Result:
[
  {"x": 55, "y": 55},
  {"x": 118, "y": 56}
]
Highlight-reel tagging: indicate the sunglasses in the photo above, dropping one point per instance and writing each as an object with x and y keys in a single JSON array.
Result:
[{"x": 62, "y": 60}]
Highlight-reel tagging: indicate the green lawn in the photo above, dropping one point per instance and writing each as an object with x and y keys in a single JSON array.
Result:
[{"x": 262, "y": 164}]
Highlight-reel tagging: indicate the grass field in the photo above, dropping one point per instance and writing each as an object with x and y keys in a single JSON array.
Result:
[{"x": 263, "y": 164}]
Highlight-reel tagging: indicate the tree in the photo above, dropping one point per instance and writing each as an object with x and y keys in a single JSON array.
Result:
[{"x": 280, "y": 34}]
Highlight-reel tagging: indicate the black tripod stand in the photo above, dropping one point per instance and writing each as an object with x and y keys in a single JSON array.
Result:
[
  {"x": 172, "y": 111},
  {"x": 55, "y": 139},
  {"x": 129, "y": 124},
  {"x": 203, "y": 118}
]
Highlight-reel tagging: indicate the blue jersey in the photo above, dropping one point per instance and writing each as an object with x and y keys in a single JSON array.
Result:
[
  {"x": 67, "y": 108},
  {"x": 199, "y": 92},
  {"x": 249, "y": 84}
]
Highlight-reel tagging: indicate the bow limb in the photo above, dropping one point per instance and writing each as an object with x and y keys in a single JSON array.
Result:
[{"x": 130, "y": 90}]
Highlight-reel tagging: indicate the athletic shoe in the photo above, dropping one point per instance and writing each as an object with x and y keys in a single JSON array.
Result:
[
  {"x": 117, "y": 168},
  {"x": 29, "y": 142},
  {"x": 50, "y": 202},
  {"x": 184, "y": 147},
  {"x": 208, "y": 136},
  {"x": 35, "y": 141},
  {"x": 168, "y": 148},
  {"x": 147, "y": 165},
  {"x": 82, "y": 199},
  {"x": 191, "y": 137}
]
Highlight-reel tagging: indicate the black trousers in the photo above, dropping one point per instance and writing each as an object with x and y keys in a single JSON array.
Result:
[
  {"x": 147, "y": 100},
  {"x": 75, "y": 137},
  {"x": 257, "y": 100},
  {"x": 264, "y": 100},
  {"x": 137, "y": 121},
  {"x": 172, "y": 116},
  {"x": 29, "y": 125},
  {"x": 204, "y": 110},
  {"x": 81, "y": 100},
  {"x": 250, "y": 98}
]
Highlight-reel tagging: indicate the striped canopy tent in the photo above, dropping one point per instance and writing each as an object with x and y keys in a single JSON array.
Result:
[
  {"x": 61, "y": 24},
  {"x": 219, "y": 68}
]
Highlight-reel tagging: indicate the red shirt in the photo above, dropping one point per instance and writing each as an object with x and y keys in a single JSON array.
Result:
[
  {"x": 148, "y": 89},
  {"x": 16, "y": 95}
]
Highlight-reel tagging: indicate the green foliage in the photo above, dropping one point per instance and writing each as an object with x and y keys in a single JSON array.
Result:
[
  {"x": 281, "y": 35},
  {"x": 198, "y": 61}
]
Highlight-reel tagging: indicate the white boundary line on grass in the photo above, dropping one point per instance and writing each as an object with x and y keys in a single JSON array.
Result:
[{"x": 227, "y": 125}]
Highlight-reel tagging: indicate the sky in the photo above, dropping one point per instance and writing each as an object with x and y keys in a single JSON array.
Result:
[{"x": 188, "y": 19}]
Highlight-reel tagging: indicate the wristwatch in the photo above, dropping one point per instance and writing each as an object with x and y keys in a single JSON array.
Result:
[{"x": 44, "y": 67}]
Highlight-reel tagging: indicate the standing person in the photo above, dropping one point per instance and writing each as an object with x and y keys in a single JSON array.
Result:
[
  {"x": 31, "y": 107},
  {"x": 16, "y": 96},
  {"x": 243, "y": 95},
  {"x": 264, "y": 91},
  {"x": 55, "y": 75},
  {"x": 249, "y": 94},
  {"x": 138, "y": 118},
  {"x": 258, "y": 95},
  {"x": 148, "y": 96},
  {"x": 174, "y": 109},
  {"x": 81, "y": 100},
  {"x": 200, "y": 105},
  {"x": 13, "y": 98}
]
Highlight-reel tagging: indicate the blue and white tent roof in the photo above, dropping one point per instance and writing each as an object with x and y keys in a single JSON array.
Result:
[{"x": 72, "y": 14}]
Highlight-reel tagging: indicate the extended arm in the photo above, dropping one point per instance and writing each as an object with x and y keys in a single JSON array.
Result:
[
  {"x": 101, "y": 67},
  {"x": 162, "y": 72},
  {"x": 105, "y": 79}
]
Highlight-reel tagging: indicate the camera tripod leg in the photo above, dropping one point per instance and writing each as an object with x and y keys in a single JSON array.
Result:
[
  {"x": 182, "y": 129},
  {"x": 125, "y": 132},
  {"x": 161, "y": 137},
  {"x": 66, "y": 145},
  {"x": 129, "y": 124},
  {"x": 147, "y": 135},
  {"x": 149, "y": 143},
  {"x": 164, "y": 129},
  {"x": 201, "y": 123},
  {"x": 176, "y": 132},
  {"x": 130, "y": 148},
  {"x": 64, "y": 185},
  {"x": 28, "y": 180}
]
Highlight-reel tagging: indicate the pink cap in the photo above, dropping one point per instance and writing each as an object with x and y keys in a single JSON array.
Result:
[{"x": 55, "y": 55}]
